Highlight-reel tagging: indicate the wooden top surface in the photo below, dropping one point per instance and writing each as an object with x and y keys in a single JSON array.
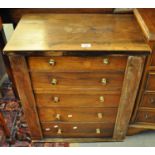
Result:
[
  {"x": 146, "y": 19},
  {"x": 69, "y": 32}
]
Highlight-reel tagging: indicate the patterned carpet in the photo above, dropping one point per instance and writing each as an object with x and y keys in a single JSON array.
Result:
[{"x": 14, "y": 118}]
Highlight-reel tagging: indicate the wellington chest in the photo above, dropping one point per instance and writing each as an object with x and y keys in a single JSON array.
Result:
[{"x": 78, "y": 75}]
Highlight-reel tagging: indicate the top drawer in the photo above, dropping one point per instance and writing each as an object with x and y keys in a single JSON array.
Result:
[{"x": 70, "y": 64}]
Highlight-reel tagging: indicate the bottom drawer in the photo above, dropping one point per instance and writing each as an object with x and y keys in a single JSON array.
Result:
[
  {"x": 75, "y": 130},
  {"x": 146, "y": 116}
]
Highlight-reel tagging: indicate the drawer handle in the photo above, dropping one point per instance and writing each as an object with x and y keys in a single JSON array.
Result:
[
  {"x": 98, "y": 131},
  {"x": 47, "y": 129},
  {"x": 70, "y": 116},
  {"x": 51, "y": 62},
  {"x": 152, "y": 101},
  {"x": 54, "y": 81},
  {"x": 101, "y": 98},
  {"x": 56, "y": 99},
  {"x": 104, "y": 81},
  {"x": 55, "y": 126},
  {"x": 75, "y": 127},
  {"x": 105, "y": 61},
  {"x": 146, "y": 116},
  {"x": 59, "y": 131},
  {"x": 57, "y": 116},
  {"x": 100, "y": 115}
]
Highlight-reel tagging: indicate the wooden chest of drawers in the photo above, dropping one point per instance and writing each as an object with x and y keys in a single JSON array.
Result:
[{"x": 78, "y": 76}]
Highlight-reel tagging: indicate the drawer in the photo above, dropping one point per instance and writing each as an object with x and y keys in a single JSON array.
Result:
[
  {"x": 77, "y": 100},
  {"x": 150, "y": 85},
  {"x": 77, "y": 81},
  {"x": 75, "y": 130},
  {"x": 153, "y": 59},
  {"x": 107, "y": 115},
  {"x": 147, "y": 116},
  {"x": 70, "y": 64},
  {"x": 148, "y": 100}
]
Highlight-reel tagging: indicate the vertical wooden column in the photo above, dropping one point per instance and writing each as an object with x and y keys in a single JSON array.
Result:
[
  {"x": 24, "y": 88},
  {"x": 133, "y": 73}
]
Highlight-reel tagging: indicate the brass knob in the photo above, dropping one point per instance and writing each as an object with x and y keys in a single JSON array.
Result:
[
  {"x": 52, "y": 62},
  {"x": 54, "y": 81},
  {"x": 101, "y": 98},
  {"x": 104, "y": 81},
  {"x": 152, "y": 101},
  {"x": 59, "y": 131},
  {"x": 98, "y": 131},
  {"x": 106, "y": 61},
  {"x": 55, "y": 99},
  {"x": 75, "y": 127},
  {"x": 55, "y": 126},
  {"x": 57, "y": 116},
  {"x": 146, "y": 116},
  {"x": 70, "y": 116},
  {"x": 47, "y": 129},
  {"x": 100, "y": 115}
]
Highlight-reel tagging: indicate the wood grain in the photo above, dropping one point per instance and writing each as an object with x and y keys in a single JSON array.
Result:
[
  {"x": 146, "y": 115},
  {"x": 146, "y": 19},
  {"x": 69, "y": 31},
  {"x": 77, "y": 100},
  {"x": 77, "y": 81},
  {"x": 83, "y": 130},
  {"x": 78, "y": 64},
  {"x": 78, "y": 114},
  {"x": 134, "y": 70},
  {"x": 23, "y": 84}
]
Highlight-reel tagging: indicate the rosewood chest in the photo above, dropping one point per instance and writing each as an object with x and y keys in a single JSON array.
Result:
[{"x": 78, "y": 75}]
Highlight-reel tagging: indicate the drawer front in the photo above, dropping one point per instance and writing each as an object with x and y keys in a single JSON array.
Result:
[
  {"x": 69, "y": 64},
  {"x": 148, "y": 100},
  {"x": 75, "y": 130},
  {"x": 150, "y": 86},
  {"x": 153, "y": 59},
  {"x": 77, "y": 100},
  {"x": 106, "y": 115},
  {"x": 77, "y": 81},
  {"x": 147, "y": 116}
]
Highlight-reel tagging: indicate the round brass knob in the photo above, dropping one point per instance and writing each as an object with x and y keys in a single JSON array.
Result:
[
  {"x": 104, "y": 81},
  {"x": 98, "y": 131},
  {"x": 54, "y": 81},
  {"x": 55, "y": 99},
  {"x": 55, "y": 126},
  {"x": 59, "y": 131},
  {"x": 101, "y": 98},
  {"x": 57, "y": 116},
  {"x": 51, "y": 62},
  {"x": 70, "y": 116},
  {"x": 47, "y": 129},
  {"x": 100, "y": 115},
  {"x": 106, "y": 61},
  {"x": 75, "y": 127}
]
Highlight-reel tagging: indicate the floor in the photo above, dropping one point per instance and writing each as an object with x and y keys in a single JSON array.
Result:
[{"x": 146, "y": 139}]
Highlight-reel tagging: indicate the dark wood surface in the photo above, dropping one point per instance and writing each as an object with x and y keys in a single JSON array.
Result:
[
  {"x": 150, "y": 83},
  {"x": 71, "y": 31},
  {"x": 146, "y": 115},
  {"x": 13, "y": 15}
]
